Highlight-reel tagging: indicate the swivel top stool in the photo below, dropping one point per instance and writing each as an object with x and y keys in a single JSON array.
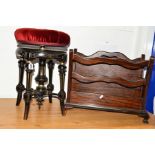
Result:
[{"x": 40, "y": 46}]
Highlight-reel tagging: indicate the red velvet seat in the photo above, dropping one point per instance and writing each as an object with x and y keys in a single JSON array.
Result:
[{"x": 42, "y": 37}]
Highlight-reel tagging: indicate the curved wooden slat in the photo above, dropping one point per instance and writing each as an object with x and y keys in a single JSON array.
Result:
[
  {"x": 111, "y": 55},
  {"x": 110, "y": 61},
  {"x": 120, "y": 81}
]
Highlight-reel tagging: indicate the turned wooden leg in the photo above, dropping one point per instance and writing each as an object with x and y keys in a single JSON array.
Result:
[
  {"x": 50, "y": 86},
  {"x": 28, "y": 93},
  {"x": 20, "y": 87},
  {"x": 62, "y": 94}
]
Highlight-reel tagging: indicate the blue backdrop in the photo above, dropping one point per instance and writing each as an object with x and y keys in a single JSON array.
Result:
[{"x": 151, "y": 88}]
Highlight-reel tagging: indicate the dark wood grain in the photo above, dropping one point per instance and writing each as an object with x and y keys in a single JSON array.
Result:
[
  {"x": 70, "y": 75},
  {"x": 105, "y": 88},
  {"x": 111, "y": 80},
  {"x": 105, "y": 100}
]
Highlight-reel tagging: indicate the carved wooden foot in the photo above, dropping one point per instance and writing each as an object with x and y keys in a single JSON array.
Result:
[
  {"x": 27, "y": 98},
  {"x": 145, "y": 117},
  {"x": 20, "y": 87},
  {"x": 50, "y": 97},
  {"x": 63, "y": 110},
  {"x": 50, "y": 86}
]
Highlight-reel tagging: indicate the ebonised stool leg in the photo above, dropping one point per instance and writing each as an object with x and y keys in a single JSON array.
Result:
[
  {"x": 62, "y": 94},
  {"x": 28, "y": 93},
  {"x": 41, "y": 79},
  {"x": 20, "y": 87},
  {"x": 50, "y": 86}
]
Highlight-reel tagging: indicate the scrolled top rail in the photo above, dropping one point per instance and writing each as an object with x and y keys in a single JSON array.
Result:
[{"x": 111, "y": 61}]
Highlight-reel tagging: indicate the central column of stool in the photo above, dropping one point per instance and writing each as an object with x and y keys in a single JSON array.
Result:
[
  {"x": 42, "y": 47},
  {"x": 41, "y": 79}
]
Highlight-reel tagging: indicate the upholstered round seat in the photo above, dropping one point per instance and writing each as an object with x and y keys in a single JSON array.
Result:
[{"x": 42, "y": 37}]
